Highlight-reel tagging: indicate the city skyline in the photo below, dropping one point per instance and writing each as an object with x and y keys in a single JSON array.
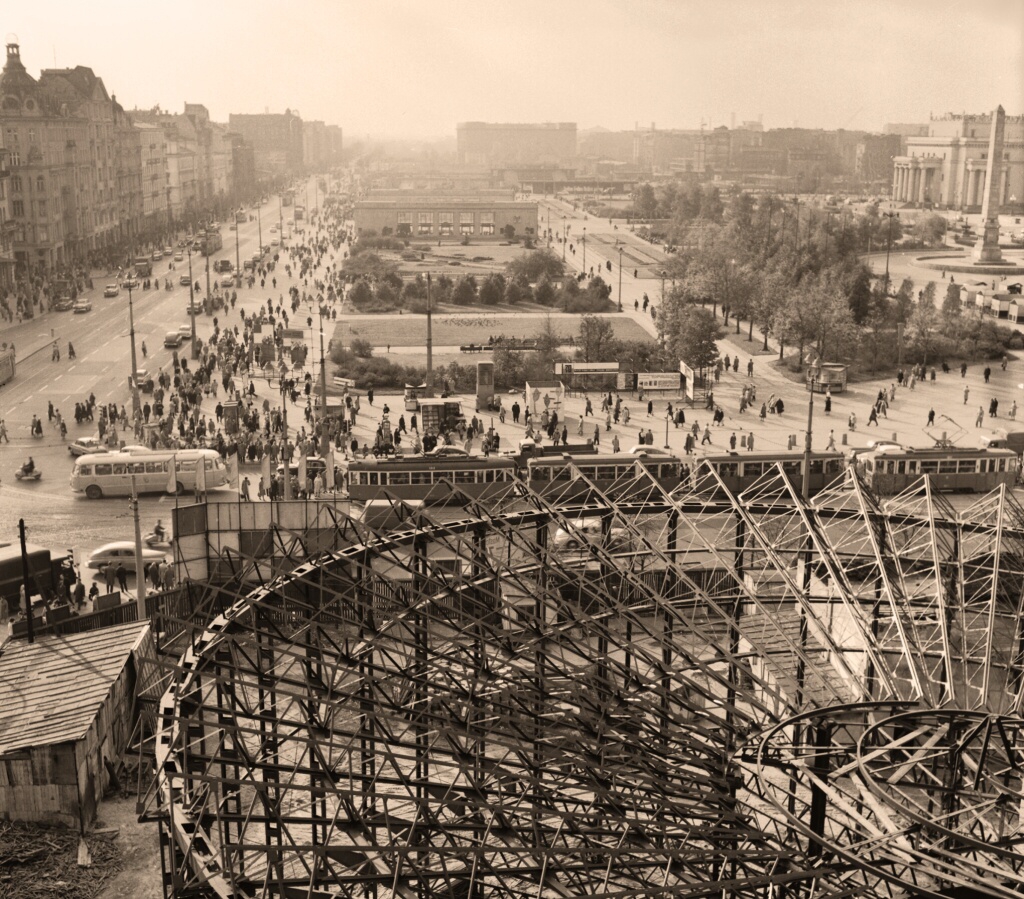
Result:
[{"x": 402, "y": 70}]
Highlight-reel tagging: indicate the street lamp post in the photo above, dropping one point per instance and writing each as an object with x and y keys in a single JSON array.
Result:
[
  {"x": 813, "y": 374},
  {"x": 565, "y": 234},
  {"x": 620, "y": 279},
  {"x": 136, "y": 408},
  {"x": 238, "y": 257},
  {"x": 324, "y": 436},
  {"x": 584, "y": 251},
  {"x": 191, "y": 305},
  {"x": 259, "y": 224},
  {"x": 890, "y": 215}
]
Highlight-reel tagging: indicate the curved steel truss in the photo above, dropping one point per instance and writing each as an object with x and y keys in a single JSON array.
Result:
[{"x": 654, "y": 695}]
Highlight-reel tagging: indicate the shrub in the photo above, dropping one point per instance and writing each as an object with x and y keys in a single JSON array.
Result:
[{"x": 361, "y": 348}]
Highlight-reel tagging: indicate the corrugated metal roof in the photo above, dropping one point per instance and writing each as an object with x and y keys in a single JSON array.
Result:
[{"x": 51, "y": 690}]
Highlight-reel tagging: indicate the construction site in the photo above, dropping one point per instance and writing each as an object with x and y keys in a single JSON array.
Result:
[{"x": 622, "y": 692}]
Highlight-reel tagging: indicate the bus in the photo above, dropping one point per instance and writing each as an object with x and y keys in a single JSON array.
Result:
[
  {"x": 891, "y": 469},
  {"x": 7, "y": 366},
  {"x": 211, "y": 242},
  {"x": 110, "y": 474},
  {"x": 423, "y": 478},
  {"x": 739, "y": 471},
  {"x": 143, "y": 266},
  {"x": 623, "y": 476},
  {"x": 300, "y": 213},
  {"x": 287, "y": 198}
]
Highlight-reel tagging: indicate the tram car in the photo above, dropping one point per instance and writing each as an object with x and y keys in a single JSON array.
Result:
[
  {"x": 740, "y": 471},
  {"x": 623, "y": 476},
  {"x": 423, "y": 478},
  {"x": 891, "y": 469}
]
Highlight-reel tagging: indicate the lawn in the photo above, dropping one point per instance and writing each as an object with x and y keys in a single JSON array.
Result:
[{"x": 476, "y": 327}]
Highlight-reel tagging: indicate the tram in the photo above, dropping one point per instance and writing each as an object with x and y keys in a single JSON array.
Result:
[
  {"x": 421, "y": 478},
  {"x": 890, "y": 469},
  {"x": 739, "y": 471},
  {"x": 620, "y": 476}
]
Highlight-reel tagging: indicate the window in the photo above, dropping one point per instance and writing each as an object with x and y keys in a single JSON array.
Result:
[
  {"x": 426, "y": 222},
  {"x": 930, "y": 467},
  {"x": 16, "y": 184},
  {"x": 486, "y": 222},
  {"x": 947, "y": 466},
  {"x": 40, "y": 184},
  {"x": 420, "y": 477},
  {"x": 17, "y": 207},
  {"x": 41, "y": 208},
  {"x": 727, "y": 469},
  {"x": 753, "y": 469},
  {"x": 446, "y": 222},
  {"x": 42, "y": 233},
  {"x": 156, "y": 467},
  {"x": 465, "y": 222},
  {"x": 85, "y": 470},
  {"x": 104, "y": 469},
  {"x": 398, "y": 478},
  {"x": 15, "y": 157},
  {"x": 463, "y": 476}
]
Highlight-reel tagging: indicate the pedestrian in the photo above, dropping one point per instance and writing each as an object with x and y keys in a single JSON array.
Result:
[
  {"x": 732, "y": 442},
  {"x": 873, "y": 417},
  {"x": 1013, "y": 411},
  {"x": 967, "y": 393},
  {"x": 245, "y": 489},
  {"x": 597, "y": 435},
  {"x": 980, "y": 420},
  {"x": 831, "y": 445},
  {"x": 615, "y": 443},
  {"x": 122, "y": 577},
  {"x": 3, "y": 431},
  {"x": 931, "y": 418},
  {"x": 110, "y": 577},
  {"x": 650, "y": 408},
  {"x": 851, "y": 422},
  {"x": 987, "y": 373},
  {"x": 750, "y": 368},
  {"x": 828, "y": 405},
  {"x": 707, "y": 436}
]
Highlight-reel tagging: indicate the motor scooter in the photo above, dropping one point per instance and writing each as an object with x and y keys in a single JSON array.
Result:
[
  {"x": 33, "y": 475},
  {"x": 155, "y": 542}
]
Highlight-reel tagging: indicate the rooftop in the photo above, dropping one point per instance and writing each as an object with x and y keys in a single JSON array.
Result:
[{"x": 51, "y": 690}]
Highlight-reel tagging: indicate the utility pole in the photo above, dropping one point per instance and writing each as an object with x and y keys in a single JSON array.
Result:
[
  {"x": 194, "y": 350},
  {"x": 620, "y": 279},
  {"x": 813, "y": 382},
  {"x": 287, "y": 456},
  {"x": 259, "y": 224},
  {"x": 238, "y": 257},
  {"x": 136, "y": 408},
  {"x": 324, "y": 437},
  {"x": 430, "y": 344},
  {"x": 140, "y": 575},
  {"x": 26, "y": 580}
]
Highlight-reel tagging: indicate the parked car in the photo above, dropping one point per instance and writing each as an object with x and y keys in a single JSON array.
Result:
[
  {"x": 82, "y": 305},
  {"x": 111, "y": 290},
  {"x": 122, "y": 552},
  {"x": 64, "y": 304},
  {"x": 85, "y": 445},
  {"x": 172, "y": 340}
]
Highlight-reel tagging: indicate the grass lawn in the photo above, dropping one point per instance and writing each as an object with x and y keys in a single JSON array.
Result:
[{"x": 456, "y": 330}]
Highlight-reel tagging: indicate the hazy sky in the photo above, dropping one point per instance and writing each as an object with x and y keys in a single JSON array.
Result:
[{"x": 416, "y": 68}]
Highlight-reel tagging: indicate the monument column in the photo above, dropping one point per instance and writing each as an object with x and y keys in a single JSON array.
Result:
[
  {"x": 987, "y": 247},
  {"x": 969, "y": 185},
  {"x": 904, "y": 175}
]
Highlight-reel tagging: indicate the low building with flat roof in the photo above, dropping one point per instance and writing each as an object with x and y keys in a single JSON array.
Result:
[{"x": 427, "y": 215}]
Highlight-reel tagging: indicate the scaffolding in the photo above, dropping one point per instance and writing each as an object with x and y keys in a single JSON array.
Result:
[{"x": 750, "y": 695}]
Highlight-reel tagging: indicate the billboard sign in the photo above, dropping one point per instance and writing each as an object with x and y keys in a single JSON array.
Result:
[
  {"x": 658, "y": 380},
  {"x": 687, "y": 375}
]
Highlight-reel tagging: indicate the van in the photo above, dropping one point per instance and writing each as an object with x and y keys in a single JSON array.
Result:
[{"x": 1001, "y": 439}]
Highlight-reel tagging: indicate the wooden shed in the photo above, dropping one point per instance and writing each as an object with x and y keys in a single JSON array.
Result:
[{"x": 66, "y": 709}]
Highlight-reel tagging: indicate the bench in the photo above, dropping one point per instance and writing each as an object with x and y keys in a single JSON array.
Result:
[{"x": 344, "y": 383}]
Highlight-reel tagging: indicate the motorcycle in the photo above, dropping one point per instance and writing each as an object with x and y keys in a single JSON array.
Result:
[
  {"x": 33, "y": 475},
  {"x": 153, "y": 541}
]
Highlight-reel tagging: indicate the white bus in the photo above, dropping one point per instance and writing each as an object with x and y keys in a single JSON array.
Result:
[{"x": 110, "y": 474}]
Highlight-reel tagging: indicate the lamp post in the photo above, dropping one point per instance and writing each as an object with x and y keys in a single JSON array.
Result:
[
  {"x": 191, "y": 305},
  {"x": 238, "y": 258},
  {"x": 584, "y": 251},
  {"x": 890, "y": 215},
  {"x": 664, "y": 274},
  {"x": 666, "y": 430},
  {"x": 324, "y": 436},
  {"x": 620, "y": 279},
  {"x": 136, "y": 408},
  {"x": 565, "y": 235},
  {"x": 813, "y": 375},
  {"x": 259, "y": 224}
]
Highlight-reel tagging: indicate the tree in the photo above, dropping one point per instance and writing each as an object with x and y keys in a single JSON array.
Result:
[
  {"x": 492, "y": 291},
  {"x": 645, "y": 202},
  {"x": 509, "y": 231},
  {"x": 930, "y": 229},
  {"x": 951, "y": 304},
  {"x": 464, "y": 293},
  {"x": 529, "y": 268},
  {"x": 361, "y": 348},
  {"x": 595, "y": 339},
  {"x": 544, "y": 294},
  {"x": 689, "y": 333},
  {"x": 514, "y": 294},
  {"x": 361, "y": 296}
]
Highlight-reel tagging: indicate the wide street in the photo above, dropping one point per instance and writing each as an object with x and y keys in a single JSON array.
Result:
[{"x": 58, "y": 518}]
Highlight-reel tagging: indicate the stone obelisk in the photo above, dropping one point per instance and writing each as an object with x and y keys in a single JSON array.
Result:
[{"x": 987, "y": 247}]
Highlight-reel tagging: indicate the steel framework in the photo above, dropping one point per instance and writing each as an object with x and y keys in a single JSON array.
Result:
[{"x": 743, "y": 696}]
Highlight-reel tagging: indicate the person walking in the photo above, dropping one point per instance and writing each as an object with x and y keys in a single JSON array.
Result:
[
  {"x": 931, "y": 418},
  {"x": 110, "y": 577},
  {"x": 122, "y": 577},
  {"x": 967, "y": 393},
  {"x": 980, "y": 419},
  {"x": 831, "y": 445},
  {"x": 245, "y": 490},
  {"x": 707, "y": 436}
]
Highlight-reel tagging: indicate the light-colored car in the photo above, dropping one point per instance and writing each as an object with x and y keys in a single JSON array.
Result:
[
  {"x": 85, "y": 445},
  {"x": 111, "y": 290},
  {"x": 122, "y": 552},
  {"x": 178, "y": 257},
  {"x": 447, "y": 450},
  {"x": 227, "y": 281},
  {"x": 64, "y": 304},
  {"x": 185, "y": 281},
  {"x": 185, "y": 331},
  {"x": 133, "y": 283},
  {"x": 82, "y": 305},
  {"x": 157, "y": 255},
  {"x": 172, "y": 340},
  {"x": 275, "y": 242}
]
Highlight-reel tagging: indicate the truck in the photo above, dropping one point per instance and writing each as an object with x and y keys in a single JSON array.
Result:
[
  {"x": 44, "y": 567},
  {"x": 143, "y": 266}
]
